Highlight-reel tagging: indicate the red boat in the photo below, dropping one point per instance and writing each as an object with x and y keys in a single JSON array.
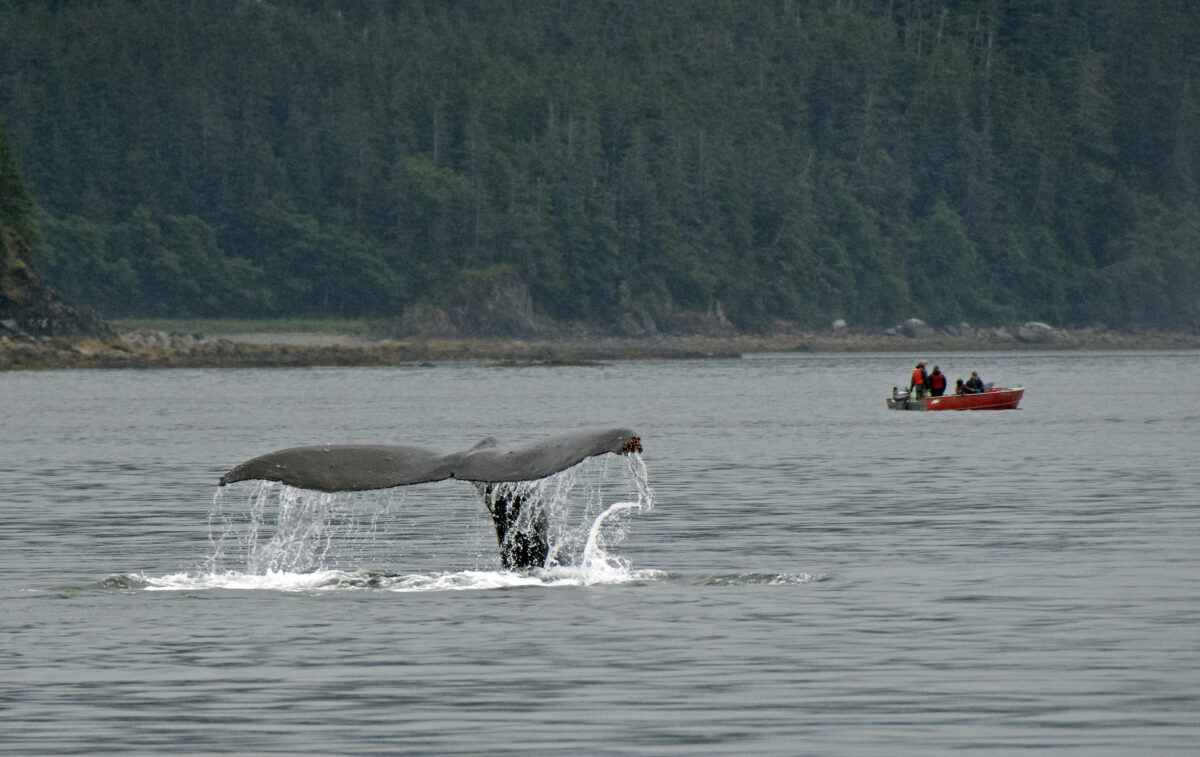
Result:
[{"x": 997, "y": 398}]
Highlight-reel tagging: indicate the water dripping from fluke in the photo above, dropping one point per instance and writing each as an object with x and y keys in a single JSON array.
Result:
[{"x": 275, "y": 537}]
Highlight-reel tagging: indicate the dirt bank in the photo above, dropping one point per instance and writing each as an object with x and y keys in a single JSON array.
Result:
[{"x": 146, "y": 349}]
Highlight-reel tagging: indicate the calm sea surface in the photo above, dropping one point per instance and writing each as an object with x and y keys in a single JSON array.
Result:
[{"x": 813, "y": 575}]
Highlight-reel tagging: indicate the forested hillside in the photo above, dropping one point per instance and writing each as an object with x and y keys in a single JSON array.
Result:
[
  {"x": 16, "y": 231},
  {"x": 861, "y": 159},
  {"x": 28, "y": 307}
]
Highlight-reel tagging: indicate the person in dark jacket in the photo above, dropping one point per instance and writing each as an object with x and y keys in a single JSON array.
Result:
[
  {"x": 974, "y": 384},
  {"x": 937, "y": 382}
]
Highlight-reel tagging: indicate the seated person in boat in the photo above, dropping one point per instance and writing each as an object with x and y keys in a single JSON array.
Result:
[
  {"x": 974, "y": 384},
  {"x": 960, "y": 388}
]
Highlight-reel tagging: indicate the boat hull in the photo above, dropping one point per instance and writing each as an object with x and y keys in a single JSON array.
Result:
[{"x": 992, "y": 399}]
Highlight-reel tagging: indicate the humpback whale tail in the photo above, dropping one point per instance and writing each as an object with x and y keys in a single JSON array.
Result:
[{"x": 520, "y": 523}]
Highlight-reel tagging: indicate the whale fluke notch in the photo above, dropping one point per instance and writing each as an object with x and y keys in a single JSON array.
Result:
[{"x": 361, "y": 467}]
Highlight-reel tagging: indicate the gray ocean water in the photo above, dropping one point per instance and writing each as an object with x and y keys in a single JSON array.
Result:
[{"x": 812, "y": 574}]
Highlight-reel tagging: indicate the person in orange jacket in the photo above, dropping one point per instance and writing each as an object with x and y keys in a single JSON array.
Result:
[{"x": 919, "y": 384}]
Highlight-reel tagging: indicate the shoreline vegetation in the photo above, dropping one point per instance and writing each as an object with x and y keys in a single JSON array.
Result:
[
  {"x": 353, "y": 343},
  {"x": 621, "y": 164}
]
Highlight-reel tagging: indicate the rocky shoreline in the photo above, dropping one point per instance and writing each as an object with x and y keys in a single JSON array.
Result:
[{"x": 156, "y": 349}]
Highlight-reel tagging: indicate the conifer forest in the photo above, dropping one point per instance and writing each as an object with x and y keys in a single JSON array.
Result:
[{"x": 797, "y": 161}]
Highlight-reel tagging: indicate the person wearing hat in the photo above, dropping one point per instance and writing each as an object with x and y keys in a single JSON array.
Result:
[{"x": 920, "y": 380}]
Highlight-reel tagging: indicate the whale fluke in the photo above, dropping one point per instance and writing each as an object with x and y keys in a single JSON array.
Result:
[{"x": 360, "y": 467}]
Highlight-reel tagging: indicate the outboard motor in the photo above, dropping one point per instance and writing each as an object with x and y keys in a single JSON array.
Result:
[{"x": 898, "y": 395}]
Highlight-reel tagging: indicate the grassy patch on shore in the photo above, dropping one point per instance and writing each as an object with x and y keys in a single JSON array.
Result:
[{"x": 354, "y": 326}]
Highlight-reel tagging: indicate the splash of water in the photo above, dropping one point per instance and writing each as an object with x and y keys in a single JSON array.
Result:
[
  {"x": 281, "y": 528},
  {"x": 281, "y": 537},
  {"x": 571, "y": 503},
  {"x": 597, "y": 562}
]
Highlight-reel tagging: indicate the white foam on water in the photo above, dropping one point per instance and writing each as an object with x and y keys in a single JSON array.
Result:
[
  {"x": 337, "y": 580},
  {"x": 767, "y": 579},
  {"x": 271, "y": 581},
  {"x": 334, "y": 580}
]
